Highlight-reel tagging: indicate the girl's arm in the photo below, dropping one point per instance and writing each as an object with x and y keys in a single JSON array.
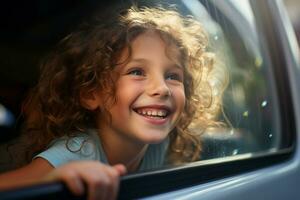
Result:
[
  {"x": 27, "y": 175},
  {"x": 102, "y": 181}
]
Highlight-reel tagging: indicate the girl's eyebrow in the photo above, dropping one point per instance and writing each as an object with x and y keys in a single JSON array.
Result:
[
  {"x": 178, "y": 66},
  {"x": 139, "y": 60},
  {"x": 142, "y": 60}
]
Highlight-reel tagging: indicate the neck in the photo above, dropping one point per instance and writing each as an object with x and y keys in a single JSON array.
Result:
[{"x": 120, "y": 149}]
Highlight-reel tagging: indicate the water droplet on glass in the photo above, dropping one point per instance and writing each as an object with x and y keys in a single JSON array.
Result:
[
  {"x": 270, "y": 135},
  {"x": 234, "y": 152},
  {"x": 264, "y": 104},
  {"x": 245, "y": 114},
  {"x": 216, "y": 37}
]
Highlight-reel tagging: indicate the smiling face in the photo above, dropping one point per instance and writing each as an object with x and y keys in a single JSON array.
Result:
[{"x": 150, "y": 92}]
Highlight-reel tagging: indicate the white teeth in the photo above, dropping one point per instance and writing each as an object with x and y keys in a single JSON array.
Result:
[
  {"x": 160, "y": 113},
  {"x": 152, "y": 112}
]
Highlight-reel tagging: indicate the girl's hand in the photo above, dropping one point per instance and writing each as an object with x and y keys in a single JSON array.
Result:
[{"x": 102, "y": 181}]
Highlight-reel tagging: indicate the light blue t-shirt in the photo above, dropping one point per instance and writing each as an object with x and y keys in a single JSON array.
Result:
[{"x": 88, "y": 147}]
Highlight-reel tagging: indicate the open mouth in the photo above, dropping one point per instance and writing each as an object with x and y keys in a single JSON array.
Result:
[{"x": 153, "y": 113}]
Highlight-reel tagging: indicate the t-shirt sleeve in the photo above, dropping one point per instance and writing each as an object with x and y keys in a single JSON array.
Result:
[{"x": 62, "y": 151}]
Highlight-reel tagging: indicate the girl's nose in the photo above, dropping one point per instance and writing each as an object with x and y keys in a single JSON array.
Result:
[{"x": 158, "y": 87}]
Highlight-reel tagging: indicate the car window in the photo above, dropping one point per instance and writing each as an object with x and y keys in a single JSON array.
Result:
[{"x": 250, "y": 101}]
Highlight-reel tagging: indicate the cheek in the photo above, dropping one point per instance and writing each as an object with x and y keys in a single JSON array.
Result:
[
  {"x": 179, "y": 97},
  {"x": 127, "y": 90},
  {"x": 126, "y": 94}
]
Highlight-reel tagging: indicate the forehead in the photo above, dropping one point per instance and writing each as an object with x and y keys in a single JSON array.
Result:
[{"x": 153, "y": 45}]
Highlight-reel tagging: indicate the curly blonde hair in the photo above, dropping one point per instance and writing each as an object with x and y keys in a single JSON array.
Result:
[{"x": 85, "y": 59}]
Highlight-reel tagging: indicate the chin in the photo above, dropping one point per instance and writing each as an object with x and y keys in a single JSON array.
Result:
[{"x": 154, "y": 138}]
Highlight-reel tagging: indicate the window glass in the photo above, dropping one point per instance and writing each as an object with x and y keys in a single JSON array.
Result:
[
  {"x": 249, "y": 107},
  {"x": 250, "y": 102},
  {"x": 293, "y": 9}
]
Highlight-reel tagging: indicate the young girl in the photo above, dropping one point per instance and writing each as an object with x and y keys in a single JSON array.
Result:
[{"x": 117, "y": 97}]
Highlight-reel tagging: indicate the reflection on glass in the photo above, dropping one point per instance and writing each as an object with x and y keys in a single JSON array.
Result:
[
  {"x": 264, "y": 104},
  {"x": 249, "y": 103}
]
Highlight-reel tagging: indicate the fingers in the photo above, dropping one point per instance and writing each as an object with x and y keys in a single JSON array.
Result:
[
  {"x": 98, "y": 183},
  {"x": 112, "y": 191},
  {"x": 106, "y": 184},
  {"x": 121, "y": 169},
  {"x": 69, "y": 177},
  {"x": 102, "y": 181},
  {"x": 73, "y": 182}
]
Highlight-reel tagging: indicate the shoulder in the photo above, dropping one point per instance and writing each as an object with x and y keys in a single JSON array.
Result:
[{"x": 82, "y": 146}]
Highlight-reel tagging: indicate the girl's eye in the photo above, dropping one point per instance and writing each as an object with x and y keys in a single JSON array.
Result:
[
  {"x": 136, "y": 72},
  {"x": 174, "y": 76}
]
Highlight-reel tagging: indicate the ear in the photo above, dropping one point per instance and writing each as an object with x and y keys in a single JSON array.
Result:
[{"x": 90, "y": 100}]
